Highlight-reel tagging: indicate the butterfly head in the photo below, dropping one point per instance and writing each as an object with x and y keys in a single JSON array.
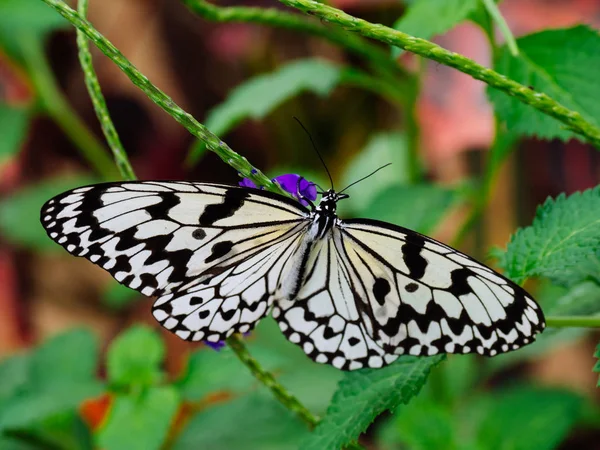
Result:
[{"x": 329, "y": 201}]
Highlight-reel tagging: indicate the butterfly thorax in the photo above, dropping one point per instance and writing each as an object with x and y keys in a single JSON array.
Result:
[{"x": 324, "y": 216}]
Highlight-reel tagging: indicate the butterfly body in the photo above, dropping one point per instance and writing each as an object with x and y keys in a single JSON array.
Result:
[{"x": 355, "y": 293}]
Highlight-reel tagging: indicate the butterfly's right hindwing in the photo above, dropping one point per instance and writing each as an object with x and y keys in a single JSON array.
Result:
[{"x": 201, "y": 247}]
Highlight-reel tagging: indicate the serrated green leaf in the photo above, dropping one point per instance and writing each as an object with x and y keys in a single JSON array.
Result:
[
  {"x": 562, "y": 244},
  {"x": 417, "y": 207},
  {"x": 557, "y": 63},
  {"x": 13, "y": 125},
  {"x": 20, "y": 212},
  {"x": 597, "y": 365},
  {"x": 363, "y": 395},
  {"x": 260, "y": 95},
  {"x": 261, "y": 423},
  {"x": 427, "y": 18},
  {"x": 529, "y": 419},
  {"x": 382, "y": 148},
  {"x": 139, "y": 422},
  {"x": 134, "y": 358}
]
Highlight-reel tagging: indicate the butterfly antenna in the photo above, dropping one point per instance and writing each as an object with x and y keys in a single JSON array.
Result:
[
  {"x": 364, "y": 178},
  {"x": 316, "y": 150}
]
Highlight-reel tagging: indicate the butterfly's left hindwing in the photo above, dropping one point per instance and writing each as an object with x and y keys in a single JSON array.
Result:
[{"x": 212, "y": 253}]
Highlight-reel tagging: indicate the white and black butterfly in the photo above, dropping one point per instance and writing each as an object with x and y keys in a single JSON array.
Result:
[{"x": 351, "y": 293}]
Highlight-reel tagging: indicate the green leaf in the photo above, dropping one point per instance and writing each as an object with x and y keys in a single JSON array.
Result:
[
  {"x": 14, "y": 373},
  {"x": 529, "y": 419},
  {"x": 578, "y": 300},
  {"x": 427, "y": 18},
  {"x": 417, "y": 207},
  {"x": 64, "y": 430},
  {"x": 562, "y": 244},
  {"x": 65, "y": 359},
  {"x": 597, "y": 365},
  {"x": 555, "y": 62},
  {"x": 382, "y": 148},
  {"x": 260, "y": 95},
  {"x": 252, "y": 422},
  {"x": 424, "y": 424},
  {"x": 58, "y": 376},
  {"x": 134, "y": 358},
  {"x": 13, "y": 125},
  {"x": 26, "y": 17},
  {"x": 139, "y": 422},
  {"x": 20, "y": 213},
  {"x": 363, "y": 395}
]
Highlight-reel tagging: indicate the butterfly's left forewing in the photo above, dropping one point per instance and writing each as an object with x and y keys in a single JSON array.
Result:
[{"x": 212, "y": 253}]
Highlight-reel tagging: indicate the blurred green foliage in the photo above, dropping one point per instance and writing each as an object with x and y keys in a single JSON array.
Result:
[{"x": 215, "y": 402}]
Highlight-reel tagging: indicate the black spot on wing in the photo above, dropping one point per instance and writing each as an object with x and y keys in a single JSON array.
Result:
[
  {"x": 199, "y": 233},
  {"x": 381, "y": 288},
  {"x": 219, "y": 250},
  {"x": 411, "y": 251},
  {"x": 232, "y": 201},
  {"x": 411, "y": 287}
]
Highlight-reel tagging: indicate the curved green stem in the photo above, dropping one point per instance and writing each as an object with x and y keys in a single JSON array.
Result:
[
  {"x": 540, "y": 101},
  {"x": 266, "y": 378},
  {"x": 573, "y": 321},
  {"x": 212, "y": 142},
  {"x": 58, "y": 108},
  {"x": 93, "y": 87},
  {"x": 496, "y": 15}
]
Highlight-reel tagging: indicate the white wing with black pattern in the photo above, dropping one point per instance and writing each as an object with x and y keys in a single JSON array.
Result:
[
  {"x": 212, "y": 253},
  {"x": 427, "y": 298}
]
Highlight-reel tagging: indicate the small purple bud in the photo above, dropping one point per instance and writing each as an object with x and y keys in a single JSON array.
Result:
[{"x": 217, "y": 346}]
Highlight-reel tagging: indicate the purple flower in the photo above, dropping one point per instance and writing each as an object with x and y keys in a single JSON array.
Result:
[{"x": 293, "y": 183}]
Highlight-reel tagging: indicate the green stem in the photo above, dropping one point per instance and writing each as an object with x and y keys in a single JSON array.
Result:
[
  {"x": 93, "y": 87},
  {"x": 57, "y": 107},
  {"x": 540, "y": 101},
  {"x": 573, "y": 321},
  {"x": 198, "y": 130},
  {"x": 379, "y": 58},
  {"x": 266, "y": 378},
  {"x": 496, "y": 15}
]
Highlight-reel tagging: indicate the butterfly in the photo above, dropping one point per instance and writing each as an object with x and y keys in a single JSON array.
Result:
[{"x": 351, "y": 293}]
